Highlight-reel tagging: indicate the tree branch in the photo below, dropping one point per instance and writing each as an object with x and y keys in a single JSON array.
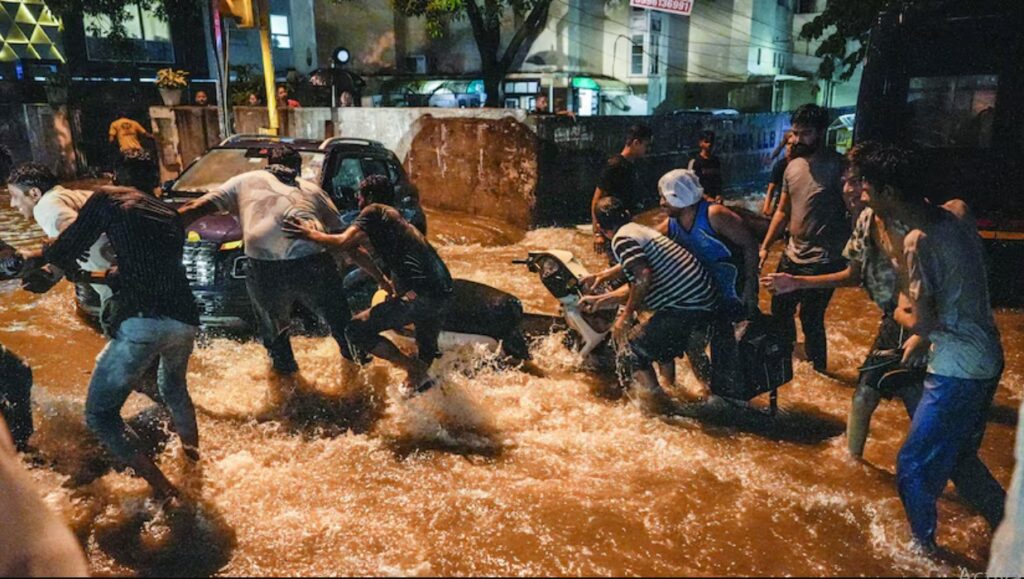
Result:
[{"x": 534, "y": 23}]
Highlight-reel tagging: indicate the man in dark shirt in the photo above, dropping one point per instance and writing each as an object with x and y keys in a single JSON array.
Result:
[
  {"x": 418, "y": 282},
  {"x": 621, "y": 180},
  {"x": 708, "y": 167},
  {"x": 152, "y": 317},
  {"x": 771, "y": 196}
]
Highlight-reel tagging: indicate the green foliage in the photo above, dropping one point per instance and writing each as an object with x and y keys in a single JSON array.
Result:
[
  {"x": 849, "y": 21},
  {"x": 486, "y": 22},
  {"x": 246, "y": 79}
]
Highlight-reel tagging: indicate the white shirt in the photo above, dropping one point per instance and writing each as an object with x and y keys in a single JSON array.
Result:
[{"x": 262, "y": 202}]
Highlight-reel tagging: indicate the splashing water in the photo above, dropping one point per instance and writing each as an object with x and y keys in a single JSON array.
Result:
[{"x": 496, "y": 471}]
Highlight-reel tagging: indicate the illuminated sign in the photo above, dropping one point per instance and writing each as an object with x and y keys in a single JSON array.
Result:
[
  {"x": 683, "y": 7},
  {"x": 29, "y": 31}
]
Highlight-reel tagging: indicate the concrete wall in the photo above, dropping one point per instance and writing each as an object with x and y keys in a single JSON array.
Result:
[
  {"x": 528, "y": 170},
  {"x": 480, "y": 161},
  {"x": 182, "y": 135},
  {"x": 40, "y": 133}
]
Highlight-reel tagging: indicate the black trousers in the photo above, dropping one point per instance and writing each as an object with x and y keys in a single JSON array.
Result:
[
  {"x": 425, "y": 313},
  {"x": 812, "y": 304},
  {"x": 276, "y": 286},
  {"x": 16, "y": 396}
]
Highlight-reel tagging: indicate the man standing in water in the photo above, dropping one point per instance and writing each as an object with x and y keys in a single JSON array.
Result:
[
  {"x": 709, "y": 231},
  {"x": 620, "y": 179},
  {"x": 419, "y": 283},
  {"x": 811, "y": 205},
  {"x": 282, "y": 271},
  {"x": 664, "y": 279},
  {"x": 947, "y": 308},
  {"x": 153, "y": 316}
]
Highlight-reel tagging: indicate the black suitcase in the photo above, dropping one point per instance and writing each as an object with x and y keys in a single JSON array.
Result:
[{"x": 764, "y": 360}]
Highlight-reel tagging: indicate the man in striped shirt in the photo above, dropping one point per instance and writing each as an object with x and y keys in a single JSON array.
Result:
[{"x": 664, "y": 279}]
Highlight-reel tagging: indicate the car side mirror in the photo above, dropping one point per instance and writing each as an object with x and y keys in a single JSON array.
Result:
[{"x": 167, "y": 186}]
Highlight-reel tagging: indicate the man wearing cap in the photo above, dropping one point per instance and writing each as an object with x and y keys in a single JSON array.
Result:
[{"x": 710, "y": 231}]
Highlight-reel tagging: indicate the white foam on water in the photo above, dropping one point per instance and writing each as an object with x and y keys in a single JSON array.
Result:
[{"x": 496, "y": 470}]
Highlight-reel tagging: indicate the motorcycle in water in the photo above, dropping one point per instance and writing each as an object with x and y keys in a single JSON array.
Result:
[
  {"x": 588, "y": 333},
  {"x": 760, "y": 351}
]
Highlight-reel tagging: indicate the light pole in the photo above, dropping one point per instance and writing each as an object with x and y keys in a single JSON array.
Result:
[{"x": 340, "y": 56}]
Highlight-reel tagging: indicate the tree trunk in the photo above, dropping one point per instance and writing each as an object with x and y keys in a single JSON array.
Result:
[
  {"x": 487, "y": 33},
  {"x": 494, "y": 76}
]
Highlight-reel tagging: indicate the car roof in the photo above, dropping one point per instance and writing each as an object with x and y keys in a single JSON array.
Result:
[{"x": 300, "y": 144}]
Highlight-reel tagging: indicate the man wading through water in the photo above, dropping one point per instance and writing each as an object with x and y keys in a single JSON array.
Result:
[
  {"x": 418, "y": 282},
  {"x": 665, "y": 280},
  {"x": 282, "y": 271},
  {"x": 151, "y": 317},
  {"x": 811, "y": 205}
]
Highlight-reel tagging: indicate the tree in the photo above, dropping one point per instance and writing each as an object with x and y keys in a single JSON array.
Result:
[
  {"x": 529, "y": 17},
  {"x": 844, "y": 21}
]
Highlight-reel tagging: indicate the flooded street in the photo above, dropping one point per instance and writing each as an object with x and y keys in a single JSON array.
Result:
[{"x": 500, "y": 471}]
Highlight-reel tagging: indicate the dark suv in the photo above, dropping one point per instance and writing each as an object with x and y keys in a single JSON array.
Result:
[{"x": 214, "y": 258}]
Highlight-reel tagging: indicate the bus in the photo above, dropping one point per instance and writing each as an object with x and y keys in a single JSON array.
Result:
[{"x": 949, "y": 85}]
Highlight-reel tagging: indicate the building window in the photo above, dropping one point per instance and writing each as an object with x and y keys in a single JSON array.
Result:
[
  {"x": 279, "y": 35},
  {"x": 952, "y": 111},
  {"x": 149, "y": 34},
  {"x": 654, "y": 52},
  {"x": 636, "y": 56}
]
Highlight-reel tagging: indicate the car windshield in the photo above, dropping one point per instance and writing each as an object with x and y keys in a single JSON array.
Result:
[{"x": 219, "y": 165}]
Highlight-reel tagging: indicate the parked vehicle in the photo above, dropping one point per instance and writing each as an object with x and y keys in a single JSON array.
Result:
[
  {"x": 948, "y": 83},
  {"x": 214, "y": 258}
]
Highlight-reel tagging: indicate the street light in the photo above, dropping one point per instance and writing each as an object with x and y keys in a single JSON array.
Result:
[{"x": 340, "y": 56}]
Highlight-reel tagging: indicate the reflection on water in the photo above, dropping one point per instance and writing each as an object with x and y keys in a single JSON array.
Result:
[{"x": 498, "y": 471}]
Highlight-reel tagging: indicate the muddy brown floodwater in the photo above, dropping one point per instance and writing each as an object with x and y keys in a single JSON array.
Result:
[{"x": 498, "y": 472}]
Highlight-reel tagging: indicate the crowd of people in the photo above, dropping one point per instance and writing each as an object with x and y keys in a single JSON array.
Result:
[
  {"x": 853, "y": 221},
  {"x": 678, "y": 288}
]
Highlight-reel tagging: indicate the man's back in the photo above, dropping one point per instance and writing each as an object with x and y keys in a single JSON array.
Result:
[
  {"x": 678, "y": 280},
  {"x": 127, "y": 132},
  {"x": 818, "y": 223},
  {"x": 57, "y": 209},
  {"x": 411, "y": 259},
  {"x": 262, "y": 201},
  {"x": 147, "y": 236}
]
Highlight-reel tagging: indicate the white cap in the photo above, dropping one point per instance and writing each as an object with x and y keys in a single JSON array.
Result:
[{"x": 680, "y": 188}]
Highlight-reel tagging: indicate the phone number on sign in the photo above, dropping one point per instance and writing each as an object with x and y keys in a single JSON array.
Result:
[{"x": 675, "y": 5}]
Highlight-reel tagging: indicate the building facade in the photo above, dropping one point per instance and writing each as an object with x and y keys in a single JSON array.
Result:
[{"x": 598, "y": 57}]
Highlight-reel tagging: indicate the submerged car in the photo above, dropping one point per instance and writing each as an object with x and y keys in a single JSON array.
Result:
[{"x": 214, "y": 257}]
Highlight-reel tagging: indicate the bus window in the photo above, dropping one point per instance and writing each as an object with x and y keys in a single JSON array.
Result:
[{"x": 951, "y": 111}]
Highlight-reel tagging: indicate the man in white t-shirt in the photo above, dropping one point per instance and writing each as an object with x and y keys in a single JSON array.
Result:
[
  {"x": 36, "y": 194},
  {"x": 282, "y": 270}
]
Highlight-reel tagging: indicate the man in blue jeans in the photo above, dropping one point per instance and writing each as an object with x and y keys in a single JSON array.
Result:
[
  {"x": 949, "y": 313},
  {"x": 151, "y": 318}
]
